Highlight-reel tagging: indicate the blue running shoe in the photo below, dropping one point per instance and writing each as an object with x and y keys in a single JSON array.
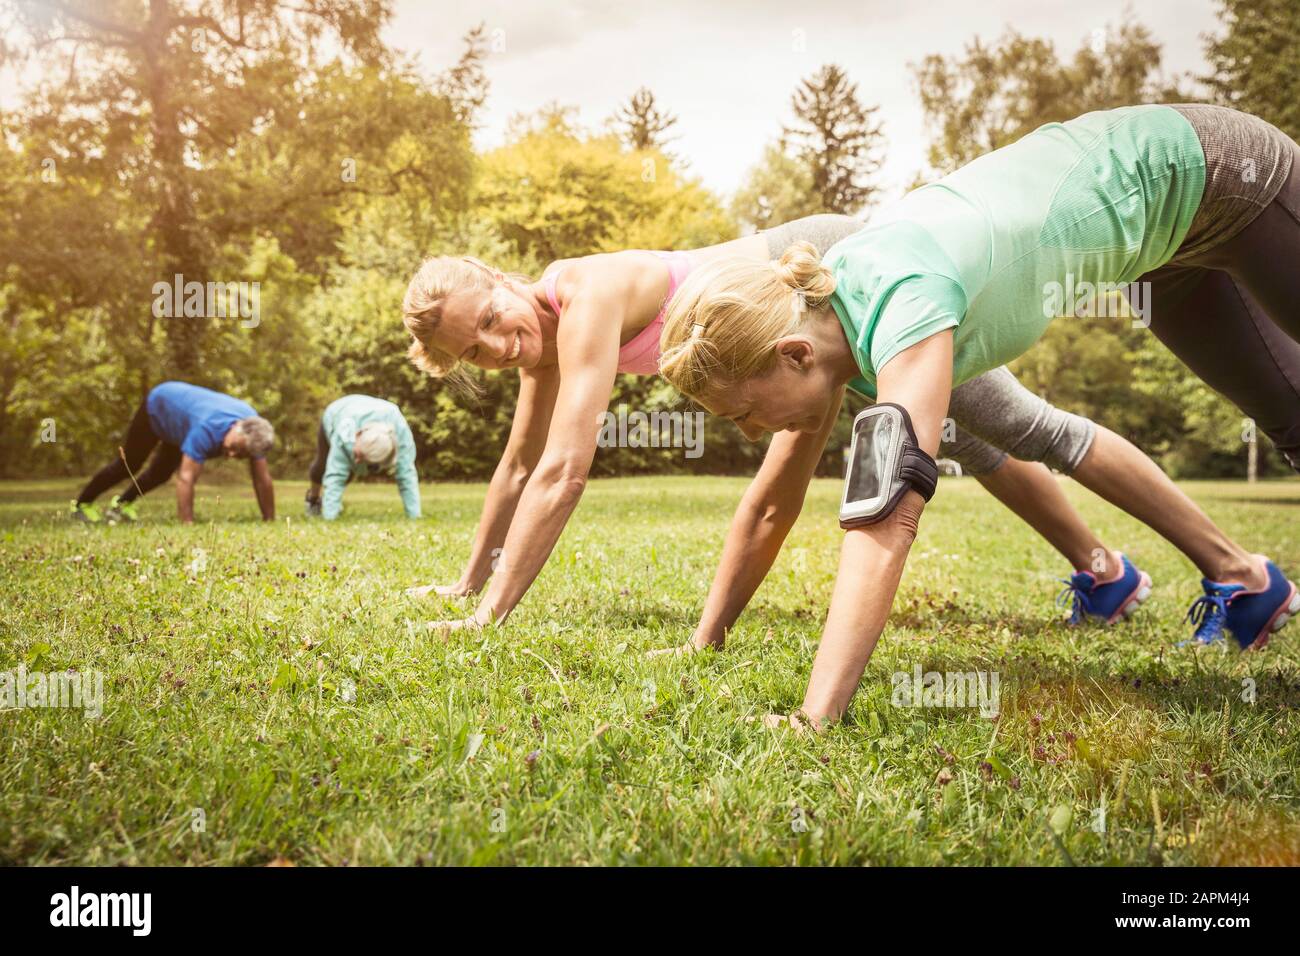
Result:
[
  {"x": 1250, "y": 617},
  {"x": 1106, "y": 601}
]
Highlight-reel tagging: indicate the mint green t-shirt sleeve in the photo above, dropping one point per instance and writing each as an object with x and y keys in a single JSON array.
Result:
[
  {"x": 338, "y": 469},
  {"x": 917, "y": 308},
  {"x": 408, "y": 479}
]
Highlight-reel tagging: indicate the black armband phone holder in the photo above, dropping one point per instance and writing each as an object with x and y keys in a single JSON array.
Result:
[{"x": 885, "y": 461}]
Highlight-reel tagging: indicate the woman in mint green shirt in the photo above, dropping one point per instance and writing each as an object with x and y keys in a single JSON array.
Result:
[
  {"x": 1195, "y": 204},
  {"x": 1111, "y": 201}
]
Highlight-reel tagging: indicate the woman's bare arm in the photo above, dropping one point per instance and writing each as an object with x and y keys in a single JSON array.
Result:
[
  {"x": 588, "y": 346},
  {"x": 537, "y": 391},
  {"x": 766, "y": 513},
  {"x": 872, "y": 558}
]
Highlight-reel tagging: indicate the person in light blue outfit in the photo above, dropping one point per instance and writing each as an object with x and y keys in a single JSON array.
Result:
[{"x": 359, "y": 436}]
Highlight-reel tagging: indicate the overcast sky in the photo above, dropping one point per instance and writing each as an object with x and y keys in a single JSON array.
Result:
[{"x": 727, "y": 67}]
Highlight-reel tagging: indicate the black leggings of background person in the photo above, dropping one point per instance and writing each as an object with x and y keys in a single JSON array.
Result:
[
  {"x": 317, "y": 470},
  {"x": 1232, "y": 314},
  {"x": 140, "y": 441}
]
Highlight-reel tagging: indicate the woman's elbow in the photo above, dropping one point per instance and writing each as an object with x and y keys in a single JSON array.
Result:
[
  {"x": 775, "y": 511},
  {"x": 776, "y": 515},
  {"x": 514, "y": 471},
  {"x": 905, "y": 522},
  {"x": 568, "y": 479}
]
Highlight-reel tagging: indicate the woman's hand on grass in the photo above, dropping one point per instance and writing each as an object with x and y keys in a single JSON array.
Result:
[
  {"x": 458, "y": 590},
  {"x": 799, "y": 722},
  {"x": 678, "y": 651},
  {"x": 455, "y": 624},
  {"x": 693, "y": 646},
  {"x": 776, "y": 721}
]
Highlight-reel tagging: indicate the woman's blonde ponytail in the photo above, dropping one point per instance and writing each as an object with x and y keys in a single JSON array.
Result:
[
  {"x": 801, "y": 269},
  {"x": 723, "y": 324}
]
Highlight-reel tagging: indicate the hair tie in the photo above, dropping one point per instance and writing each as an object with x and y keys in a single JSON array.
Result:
[{"x": 697, "y": 330}]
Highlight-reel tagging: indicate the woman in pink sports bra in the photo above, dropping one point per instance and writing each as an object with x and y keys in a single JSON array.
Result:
[
  {"x": 640, "y": 356},
  {"x": 460, "y": 310}
]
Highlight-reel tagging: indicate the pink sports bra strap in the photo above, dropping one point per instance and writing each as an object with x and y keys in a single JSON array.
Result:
[
  {"x": 640, "y": 355},
  {"x": 549, "y": 283},
  {"x": 679, "y": 266}
]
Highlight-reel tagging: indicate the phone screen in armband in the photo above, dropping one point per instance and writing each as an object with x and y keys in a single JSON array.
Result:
[{"x": 876, "y": 479}]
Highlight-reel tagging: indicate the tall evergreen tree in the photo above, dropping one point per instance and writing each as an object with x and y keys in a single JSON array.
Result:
[
  {"x": 839, "y": 140},
  {"x": 466, "y": 83},
  {"x": 641, "y": 124}
]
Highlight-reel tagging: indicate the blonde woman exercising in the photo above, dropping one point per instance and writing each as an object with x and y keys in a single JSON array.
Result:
[
  {"x": 590, "y": 318},
  {"x": 959, "y": 277}
]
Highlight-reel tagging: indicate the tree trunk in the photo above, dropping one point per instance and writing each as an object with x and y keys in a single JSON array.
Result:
[{"x": 174, "y": 219}]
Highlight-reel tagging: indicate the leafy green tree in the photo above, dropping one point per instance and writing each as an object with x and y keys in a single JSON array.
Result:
[
  {"x": 992, "y": 95},
  {"x": 43, "y": 423},
  {"x": 778, "y": 189},
  {"x": 1256, "y": 61},
  {"x": 554, "y": 191},
  {"x": 280, "y": 146},
  {"x": 62, "y": 286},
  {"x": 356, "y": 134},
  {"x": 169, "y": 84}
]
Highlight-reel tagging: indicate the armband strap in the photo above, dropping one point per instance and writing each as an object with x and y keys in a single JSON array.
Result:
[{"x": 919, "y": 470}]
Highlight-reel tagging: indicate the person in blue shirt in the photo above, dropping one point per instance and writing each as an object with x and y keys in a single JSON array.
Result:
[
  {"x": 187, "y": 425},
  {"x": 359, "y": 436}
]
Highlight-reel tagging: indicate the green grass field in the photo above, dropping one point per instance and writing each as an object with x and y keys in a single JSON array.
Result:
[{"x": 277, "y": 697}]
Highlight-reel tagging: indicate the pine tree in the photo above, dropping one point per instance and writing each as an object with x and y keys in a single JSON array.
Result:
[
  {"x": 838, "y": 138},
  {"x": 642, "y": 124}
]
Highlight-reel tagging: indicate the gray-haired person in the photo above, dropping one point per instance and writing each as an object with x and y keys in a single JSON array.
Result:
[
  {"x": 361, "y": 436},
  {"x": 187, "y": 425}
]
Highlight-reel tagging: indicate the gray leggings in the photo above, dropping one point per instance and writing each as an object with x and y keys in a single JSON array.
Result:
[
  {"x": 1228, "y": 303},
  {"x": 995, "y": 415}
]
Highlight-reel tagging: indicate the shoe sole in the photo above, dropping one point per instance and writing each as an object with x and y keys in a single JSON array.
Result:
[
  {"x": 1281, "y": 617},
  {"x": 1136, "y": 597}
]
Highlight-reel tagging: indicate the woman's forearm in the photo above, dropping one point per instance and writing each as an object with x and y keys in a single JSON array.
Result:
[
  {"x": 767, "y": 512},
  {"x": 543, "y": 510},
  {"x": 871, "y": 566},
  {"x": 504, "y": 491},
  {"x": 753, "y": 542}
]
